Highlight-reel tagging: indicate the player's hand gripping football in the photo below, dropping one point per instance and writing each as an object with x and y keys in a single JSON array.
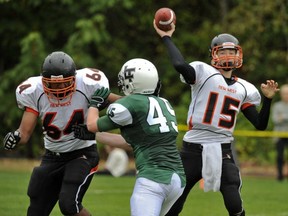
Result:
[
  {"x": 11, "y": 140},
  {"x": 162, "y": 33},
  {"x": 81, "y": 132},
  {"x": 99, "y": 98},
  {"x": 269, "y": 88}
]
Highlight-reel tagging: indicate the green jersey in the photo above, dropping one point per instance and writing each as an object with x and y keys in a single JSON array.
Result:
[{"x": 149, "y": 125}]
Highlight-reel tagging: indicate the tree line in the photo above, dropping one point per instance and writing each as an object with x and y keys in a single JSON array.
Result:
[{"x": 104, "y": 34}]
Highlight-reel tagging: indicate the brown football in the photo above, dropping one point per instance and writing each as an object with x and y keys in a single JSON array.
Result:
[{"x": 164, "y": 17}]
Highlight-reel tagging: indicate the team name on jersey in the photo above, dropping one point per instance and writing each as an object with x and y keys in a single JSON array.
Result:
[
  {"x": 227, "y": 89},
  {"x": 60, "y": 105}
]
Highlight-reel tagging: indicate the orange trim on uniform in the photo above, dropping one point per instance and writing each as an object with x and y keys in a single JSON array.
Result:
[
  {"x": 31, "y": 110},
  {"x": 244, "y": 106},
  {"x": 94, "y": 169}
]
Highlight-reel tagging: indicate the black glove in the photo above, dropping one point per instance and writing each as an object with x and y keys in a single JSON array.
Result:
[
  {"x": 81, "y": 132},
  {"x": 11, "y": 140},
  {"x": 99, "y": 98}
]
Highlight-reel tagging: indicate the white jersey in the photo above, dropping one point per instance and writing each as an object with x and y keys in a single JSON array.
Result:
[
  {"x": 215, "y": 104},
  {"x": 56, "y": 120}
]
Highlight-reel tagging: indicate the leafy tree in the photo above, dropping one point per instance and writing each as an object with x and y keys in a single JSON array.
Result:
[{"x": 104, "y": 34}]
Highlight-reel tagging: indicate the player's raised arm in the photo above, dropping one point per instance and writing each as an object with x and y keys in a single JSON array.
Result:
[{"x": 178, "y": 61}]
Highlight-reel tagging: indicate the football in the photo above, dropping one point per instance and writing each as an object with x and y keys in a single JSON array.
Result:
[{"x": 164, "y": 17}]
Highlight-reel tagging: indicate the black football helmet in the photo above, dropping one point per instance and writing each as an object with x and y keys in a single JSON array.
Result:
[
  {"x": 226, "y": 62},
  {"x": 58, "y": 77}
]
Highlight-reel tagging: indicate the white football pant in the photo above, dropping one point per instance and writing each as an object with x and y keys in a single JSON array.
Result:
[{"x": 150, "y": 198}]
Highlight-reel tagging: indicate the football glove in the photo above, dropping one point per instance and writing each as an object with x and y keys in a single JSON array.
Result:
[
  {"x": 11, "y": 140},
  {"x": 99, "y": 98},
  {"x": 81, "y": 132}
]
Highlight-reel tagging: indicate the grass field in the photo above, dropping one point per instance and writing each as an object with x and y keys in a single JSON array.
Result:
[{"x": 108, "y": 196}]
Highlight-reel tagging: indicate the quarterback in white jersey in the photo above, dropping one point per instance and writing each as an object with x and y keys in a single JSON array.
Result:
[
  {"x": 60, "y": 98},
  {"x": 217, "y": 97},
  {"x": 215, "y": 105}
]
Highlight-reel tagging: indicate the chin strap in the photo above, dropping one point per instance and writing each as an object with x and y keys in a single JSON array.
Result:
[{"x": 158, "y": 88}]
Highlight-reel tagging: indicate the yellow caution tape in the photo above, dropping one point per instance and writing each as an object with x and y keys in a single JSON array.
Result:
[{"x": 249, "y": 133}]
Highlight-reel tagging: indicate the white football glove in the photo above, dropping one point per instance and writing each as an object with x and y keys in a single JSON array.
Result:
[{"x": 11, "y": 140}]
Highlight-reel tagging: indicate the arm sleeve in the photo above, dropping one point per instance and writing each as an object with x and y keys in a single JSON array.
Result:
[
  {"x": 186, "y": 70},
  {"x": 259, "y": 120},
  {"x": 116, "y": 116},
  {"x": 104, "y": 123}
]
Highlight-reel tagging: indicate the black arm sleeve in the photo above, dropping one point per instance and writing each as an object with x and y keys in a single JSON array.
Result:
[
  {"x": 178, "y": 61},
  {"x": 259, "y": 120}
]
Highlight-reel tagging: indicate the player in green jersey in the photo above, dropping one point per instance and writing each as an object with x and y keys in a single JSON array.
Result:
[{"x": 148, "y": 123}]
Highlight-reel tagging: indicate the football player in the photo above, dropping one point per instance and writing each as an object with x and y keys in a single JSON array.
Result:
[
  {"x": 60, "y": 98},
  {"x": 148, "y": 123},
  {"x": 217, "y": 97}
]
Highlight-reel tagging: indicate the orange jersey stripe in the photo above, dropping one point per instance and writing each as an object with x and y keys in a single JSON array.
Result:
[{"x": 31, "y": 110}]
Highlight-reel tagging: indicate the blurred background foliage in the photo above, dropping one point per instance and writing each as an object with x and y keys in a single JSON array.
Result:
[{"x": 104, "y": 34}]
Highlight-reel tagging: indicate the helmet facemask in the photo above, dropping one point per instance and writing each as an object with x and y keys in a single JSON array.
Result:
[
  {"x": 232, "y": 59},
  {"x": 58, "y": 78},
  {"x": 59, "y": 90},
  {"x": 123, "y": 86},
  {"x": 225, "y": 52}
]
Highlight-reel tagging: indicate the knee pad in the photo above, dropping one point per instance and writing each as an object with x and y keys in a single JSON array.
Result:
[{"x": 231, "y": 175}]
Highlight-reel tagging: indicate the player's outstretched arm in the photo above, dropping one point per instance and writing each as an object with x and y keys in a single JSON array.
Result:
[
  {"x": 113, "y": 97},
  {"x": 260, "y": 120},
  {"x": 111, "y": 139},
  {"x": 178, "y": 61}
]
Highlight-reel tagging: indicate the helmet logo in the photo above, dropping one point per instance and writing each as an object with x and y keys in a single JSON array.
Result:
[
  {"x": 228, "y": 45},
  {"x": 128, "y": 73}
]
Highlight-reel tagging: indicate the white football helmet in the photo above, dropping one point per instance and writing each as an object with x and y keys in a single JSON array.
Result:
[{"x": 138, "y": 76}]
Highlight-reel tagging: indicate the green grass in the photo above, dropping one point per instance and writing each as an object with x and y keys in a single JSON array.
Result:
[{"x": 108, "y": 196}]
